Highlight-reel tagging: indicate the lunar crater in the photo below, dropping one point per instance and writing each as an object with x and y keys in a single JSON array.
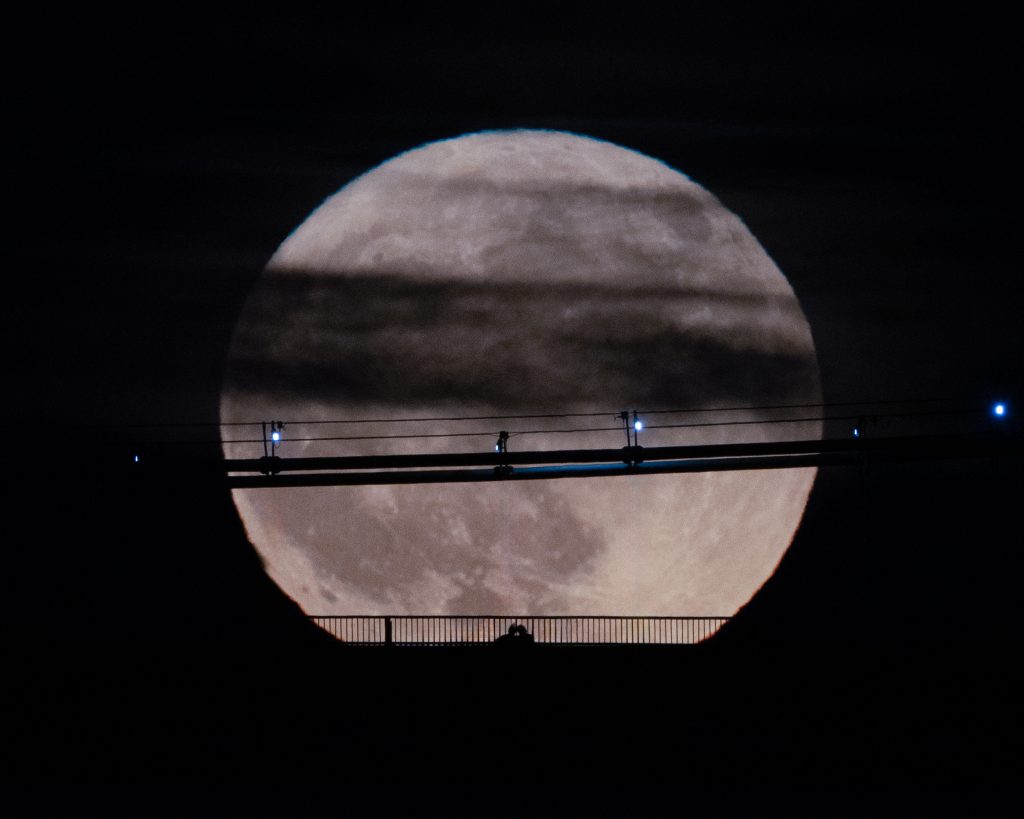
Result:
[{"x": 469, "y": 541}]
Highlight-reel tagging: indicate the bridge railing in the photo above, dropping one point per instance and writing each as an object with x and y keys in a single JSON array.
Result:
[{"x": 451, "y": 630}]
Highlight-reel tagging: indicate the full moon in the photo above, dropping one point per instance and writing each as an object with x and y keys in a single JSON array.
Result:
[{"x": 518, "y": 274}]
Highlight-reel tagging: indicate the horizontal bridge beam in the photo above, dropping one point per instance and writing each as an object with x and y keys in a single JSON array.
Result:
[
  {"x": 951, "y": 446},
  {"x": 585, "y": 463},
  {"x": 530, "y": 473}
]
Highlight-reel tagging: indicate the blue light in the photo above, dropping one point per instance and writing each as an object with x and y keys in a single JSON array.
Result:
[
  {"x": 856, "y": 432},
  {"x": 638, "y": 425},
  {"x": 136, "y": 459},
  {"x": 275, "y": 436},
  {"x": 999, "y": 410}
]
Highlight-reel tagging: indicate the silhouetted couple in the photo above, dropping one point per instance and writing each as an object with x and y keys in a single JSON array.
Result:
[{"x": 517, "y": 635}]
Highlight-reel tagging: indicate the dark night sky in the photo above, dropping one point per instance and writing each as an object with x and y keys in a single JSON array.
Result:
[
  {"x": 163, "y": 158},
  {"x": 155, "y": 161}
]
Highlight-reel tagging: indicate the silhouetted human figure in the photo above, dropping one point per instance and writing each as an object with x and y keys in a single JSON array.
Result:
[{"x": 517, "y": 636}]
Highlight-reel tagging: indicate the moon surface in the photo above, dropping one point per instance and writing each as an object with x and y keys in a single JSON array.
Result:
[{"x": 521, "y": 273}]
